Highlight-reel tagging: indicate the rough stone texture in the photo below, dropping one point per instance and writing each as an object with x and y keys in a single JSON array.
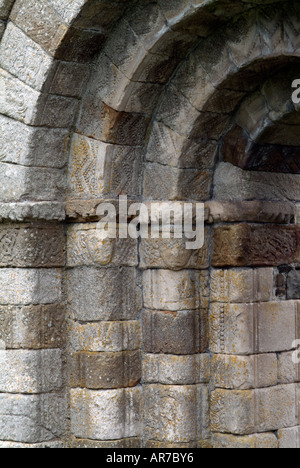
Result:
[
  {"x": 172, "y": 254},
  {"x": 32, "y": 418},
  {"x": 260, "y": 410},
  {"x": 175, "y": 332},
  {"x": 175, "y": 413},
  {"x": 98, "y": 294},
  {"x": 289, "y": 438},
  {"x": 105, "y": 337},
  {"x": 26, "y": 246},
  {"x": 30, "y": 371},
  {"x": 32, "y": 327},
  {"x": 242, "y": 285},
  {"x": 237, "y": 372},
  {"x": 250, "y": 245},
  {"x": 175, "y": 291},
  {"x": 118, "y": 410},
  {"x": 169, "y": 369},
  {"x": 86, "y": 246},
  {"x": 293, "y": 285},
  {"x": 29, "y": 286},
  {"x": 247, "y": 185},
  {"x": 250, "y": 328},
  {"x": 105, "y": 370},
  {"x": 255, "y": 441},
  {"x": 40, "y": 147}
]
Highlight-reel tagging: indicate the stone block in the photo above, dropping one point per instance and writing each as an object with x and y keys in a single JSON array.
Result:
[
  {"x": 105, "y": 370},
  {"x": 55, "y": 111},
  {"x": 98, "y": 169},
  {"x": 32, "y": 211},
  {"x": 180, "y": 333},
  {"x": 177, "y": 112},
  {"x": 143, "y": 99},
  {"x": 105, "y": 337},
  {"x": 18, "y": 183},
  {"x": 175, "y": 291},
  {"x": 232, "y": 183},
  {"x": 254, "y": 441},
  {"x": 103, "y": 294},
  {"x": 42, "y": 246},
  {"x": 40, "y": 22},
  {"x": 101, "y": 122},
  {"x": 288, "y": 371},
  {"x": 169, "y": 148},
  {"x": 249, "y": 328},
  {"x": 169, "y": 369},
  {"x": 5, "y": 7},
  {"x": 175, "y": 414},
  {"x": 23, "y": 58},
  {"x": 169, "y": 183},
  {"x": 172, "y": 254},
  {"x": 106, "y": 414},
  {"x": 133, "y": 443},
  {"x": 242, "y": 285},
  {"x": 68, "y": 79},
  {"x": 293, "y": 285},
  {"x": 289, "y": 438},
  {"x": 85, "y": 246},
  {"x": 31, "y": 371},
  {"x": 277, "y": 408},
  {"x": 29, "y": 286},
  {"x": 29, "y": 146},
  {"x": 32, "y": 418},
  {"x": 17, "y": 100},
  {"x": 250, "y": 245},
  {"x": 244, "y": 373},
  {"x": 32, "y": 327},
  {"x": 224, "y": 419}
]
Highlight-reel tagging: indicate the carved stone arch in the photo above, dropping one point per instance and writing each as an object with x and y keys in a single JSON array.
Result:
[{"x": 47, "y": 54}]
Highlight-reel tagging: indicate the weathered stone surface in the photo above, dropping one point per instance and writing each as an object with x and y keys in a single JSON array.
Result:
[
  {"x": 25, "y": 211},
  {"x": 18, "y": 183},
  {"x": 255, "y": 441},
  {"x": 250, "y": 328},
  {"x": 252, "y": 212},
  {"x": 40, "y": 22},
  {"x": 169, "y": 183},
  {"x": 105, "y": 370},
  {"x": 40, "y": 147},
  {"x": 277, "y": 408},
  {"x": 105, "y": 337},
  {"x": 109, "y": 444},
  {"x": 103, "y": 294},
  {"x": 85, "y": 246},
  {"x": 33, "y": 327},
  {"x": 23, "y": 58},
  {"x": 175, "y": 332},
  {"x": 29, "y": 286},
  {"x": 169, "y": 369},
  {"x": 242, "y": 285},
  {"x": 32, "y": 418},
  {"x": 175, "y": 413},
  {"x": 45, "y": 445},
  {"x": 99, "y": 121},
  {"x": 289, "y": 438},
  {"x": 107, "y": 414},
  {"x": 97, "y": 168},
  {"x": 172, "y": 254},
  {"x": 30, "y": 371},
  {"x": 244, "y": 373},
  {"x": 288, "y": 371},
  {"x": 293, "y": 285},
  {"x": 67, "y": 79},
  {"x": 232, "y": 183},
  {"x": 250, "y": 245},
  {"x": 26, "y": 246},
  {"x": 5, "y": 6},
  {"x": 175, "y": 291}
]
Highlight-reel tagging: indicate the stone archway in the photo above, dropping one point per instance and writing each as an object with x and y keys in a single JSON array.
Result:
[{"x": 144, "y": 96}]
